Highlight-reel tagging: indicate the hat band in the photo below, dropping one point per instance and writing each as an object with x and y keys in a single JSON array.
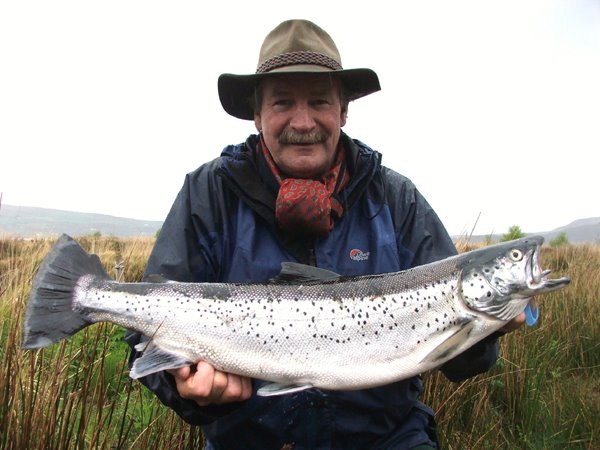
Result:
[{"x": 295, "y": 58}]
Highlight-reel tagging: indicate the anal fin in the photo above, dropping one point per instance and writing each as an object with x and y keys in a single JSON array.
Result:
[{"x": 272, "y": 389}]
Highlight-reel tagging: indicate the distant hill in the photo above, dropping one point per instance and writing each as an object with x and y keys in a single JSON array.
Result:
[
  {"x": 578, "y": 232},
  {"x": 25, "y": 221}
]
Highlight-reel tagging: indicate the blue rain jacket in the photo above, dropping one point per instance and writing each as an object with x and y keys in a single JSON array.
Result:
[{"x": 221, "y": 228}]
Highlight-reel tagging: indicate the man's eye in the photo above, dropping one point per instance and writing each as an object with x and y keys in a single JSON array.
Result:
[{"x": 321, "y": 103}]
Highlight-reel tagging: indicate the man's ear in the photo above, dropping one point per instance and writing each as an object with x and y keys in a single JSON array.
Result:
[
  {"x": 257, "y": 122},
  {"x": 343, "y": 115}
]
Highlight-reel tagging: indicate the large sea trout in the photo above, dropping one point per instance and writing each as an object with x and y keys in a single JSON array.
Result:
[{"x": 306, "y": 328}]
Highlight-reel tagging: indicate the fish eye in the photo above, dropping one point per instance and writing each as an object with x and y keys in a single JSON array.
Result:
[{"x": 515, "y": 254}]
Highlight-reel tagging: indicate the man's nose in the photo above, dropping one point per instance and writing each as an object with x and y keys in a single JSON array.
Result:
[{"x": 302, "y": 118}]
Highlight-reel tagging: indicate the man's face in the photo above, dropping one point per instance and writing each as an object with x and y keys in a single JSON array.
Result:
[{"x": 300, "y": 118}]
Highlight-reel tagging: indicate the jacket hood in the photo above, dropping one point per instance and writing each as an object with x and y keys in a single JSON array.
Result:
[{"x": 253, "y": 182}]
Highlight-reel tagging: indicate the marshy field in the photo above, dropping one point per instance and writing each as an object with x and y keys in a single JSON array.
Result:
[{"x": 544, "y": 392}]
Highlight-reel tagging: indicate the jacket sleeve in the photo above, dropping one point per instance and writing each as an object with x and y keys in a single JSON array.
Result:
[
  {"x": 185, "y": 250},
  {"x": 422, "y": 238}
]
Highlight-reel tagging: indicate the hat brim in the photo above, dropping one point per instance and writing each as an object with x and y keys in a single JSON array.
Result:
[{"x": 236, "y": 91}]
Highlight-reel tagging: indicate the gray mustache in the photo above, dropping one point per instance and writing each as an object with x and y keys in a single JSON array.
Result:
[{"x": 291, "y": 137}]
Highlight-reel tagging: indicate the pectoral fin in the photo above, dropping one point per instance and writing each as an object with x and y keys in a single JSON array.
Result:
[
  {"x": 272, "y": 389},
  {"x": 447, "y": 348}
]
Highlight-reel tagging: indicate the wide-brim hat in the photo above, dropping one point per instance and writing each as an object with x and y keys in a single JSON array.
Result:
[{"x": 294, "y": 46}]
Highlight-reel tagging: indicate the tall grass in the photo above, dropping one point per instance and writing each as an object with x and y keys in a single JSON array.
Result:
[
  {"x": 76, "y": 394},
  {"x": 543, "y": 393}
]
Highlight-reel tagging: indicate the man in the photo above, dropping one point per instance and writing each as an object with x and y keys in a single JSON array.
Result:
[{"x": 300, "y": 190}]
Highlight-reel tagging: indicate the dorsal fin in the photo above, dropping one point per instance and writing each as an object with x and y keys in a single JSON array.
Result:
[
  {"x": 296, "y": 273},
  {"x": 156, "y": 278}
]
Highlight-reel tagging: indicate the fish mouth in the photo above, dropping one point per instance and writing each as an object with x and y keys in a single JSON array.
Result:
[{"x": 537, "y": 279}]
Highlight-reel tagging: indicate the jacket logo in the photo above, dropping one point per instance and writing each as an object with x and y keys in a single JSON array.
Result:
[{"x": 359, "y": 255}]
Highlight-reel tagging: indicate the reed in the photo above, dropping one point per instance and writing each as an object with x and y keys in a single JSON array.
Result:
[{"x": 544, "y": 392}]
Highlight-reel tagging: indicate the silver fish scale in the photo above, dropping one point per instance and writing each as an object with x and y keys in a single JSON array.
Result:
[{"x": 303, "y": 332}]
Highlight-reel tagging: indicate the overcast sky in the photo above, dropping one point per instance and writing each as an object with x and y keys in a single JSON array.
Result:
[{"x": 491, "y": 108}]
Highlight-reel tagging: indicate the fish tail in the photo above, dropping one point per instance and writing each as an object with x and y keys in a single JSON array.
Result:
[{"x": 49, "y": 316}]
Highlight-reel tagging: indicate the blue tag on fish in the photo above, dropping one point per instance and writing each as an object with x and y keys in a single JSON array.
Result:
[{"x": 531, "y": 315}]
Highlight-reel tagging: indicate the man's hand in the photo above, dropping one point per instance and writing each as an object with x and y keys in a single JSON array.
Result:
[
  {"x": 206, "y": 385},
  {"x": 517, "y": 322}
]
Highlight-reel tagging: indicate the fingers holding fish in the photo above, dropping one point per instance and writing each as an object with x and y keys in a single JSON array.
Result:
[{"x": 206, "y": 385}]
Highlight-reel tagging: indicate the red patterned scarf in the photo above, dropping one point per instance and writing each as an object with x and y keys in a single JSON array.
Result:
[{"x": 307, "y": 206}]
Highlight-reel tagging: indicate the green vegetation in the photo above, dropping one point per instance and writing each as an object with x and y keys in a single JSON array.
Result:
[
  {"x": 544, "y": 393},
  {"x": 560, "y": 239},
  {"x": 514, "y": 232}
]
